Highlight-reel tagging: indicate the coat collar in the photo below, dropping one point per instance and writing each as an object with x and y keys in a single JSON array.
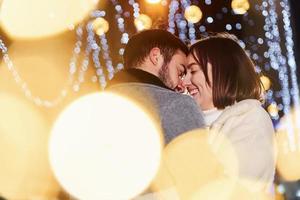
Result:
[{"x": 134, "y": 75}]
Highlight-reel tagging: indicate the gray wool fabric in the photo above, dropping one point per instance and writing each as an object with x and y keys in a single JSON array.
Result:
[{"x": 174, "y": 113}]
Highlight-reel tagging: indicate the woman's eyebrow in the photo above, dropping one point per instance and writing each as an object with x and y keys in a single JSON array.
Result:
[{"x": 190, "y": 65}]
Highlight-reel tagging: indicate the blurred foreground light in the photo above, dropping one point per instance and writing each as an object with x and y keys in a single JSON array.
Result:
[
  {"x": 220, "y": 189},
  {"x": 193, "y": 14},
  {"x": 39, "y": 84},
  {"x": 288, "y": 146},
  {"x": 288, "y": 161},
  {"x": 228, "y": 189},
  {"x": 104, "y": 147},
  {"x": 29, "y": 19},
  {"x": 190, "y": 163},
  {"x": 143, "y": 22},
  {"x": 266, "y": 82},
  {"x": 24, "y": 167},
  {"x": 240, "y": 7},
  {"x": 100, "y": 26},
  {"x": 153, "y": 1},
  {"x": 291, "y": 121}
]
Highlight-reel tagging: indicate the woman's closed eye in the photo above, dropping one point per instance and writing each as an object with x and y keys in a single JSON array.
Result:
[
  {"x": 194, "y": 68},
  {"x": 193, "y": 71}
]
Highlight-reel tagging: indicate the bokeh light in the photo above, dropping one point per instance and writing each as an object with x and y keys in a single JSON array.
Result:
[
  {"x": 220, "y": 189},
  {"x": 104, "y": 147},
  {"x": 143, "y": 22},
  {"x": 190, "y": 162},
  {"x": 100, "y": 25},
  {"x": 47, "y": 85},
  {"x": 24, "y": 170},
  {"x": 266, "y": 82},
  {"x": 47, "y": 17},
  {"x": 271, "y": 46},
  {"x": 240, "y": 7},
  {"x": 193, "y": 14},
  {"x": 228, "y": 189},
  {"x": 288, "y": 161},
  {"x": 273, "y": 109},
  {"x": 288, "y": 143},
  {"x": 153, "y": 1}
]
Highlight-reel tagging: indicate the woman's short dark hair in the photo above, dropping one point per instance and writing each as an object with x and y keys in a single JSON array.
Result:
[
  {"x": 140, "y": 45},
  {"x": 233, "y": 72}
]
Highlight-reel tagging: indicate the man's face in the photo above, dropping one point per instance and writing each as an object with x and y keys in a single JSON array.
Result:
[{"x": 172, "y": 73}]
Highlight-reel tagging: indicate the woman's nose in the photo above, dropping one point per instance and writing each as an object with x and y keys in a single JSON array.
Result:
[
  {"x": 180, "y": 87},
  {"x": 186, "y": 81}
]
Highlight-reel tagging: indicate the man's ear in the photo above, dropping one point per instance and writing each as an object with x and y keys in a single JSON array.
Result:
[{"x": 155, "y": 56}]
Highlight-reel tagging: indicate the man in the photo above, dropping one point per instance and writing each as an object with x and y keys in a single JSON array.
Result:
[{"x": 154, "y": 63}]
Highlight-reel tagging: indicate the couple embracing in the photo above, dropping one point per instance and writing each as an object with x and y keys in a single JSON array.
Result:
[{"x": 211, "y": 84}]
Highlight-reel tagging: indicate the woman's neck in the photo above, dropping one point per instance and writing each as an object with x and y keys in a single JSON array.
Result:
[{"x": 211, "y": 115}]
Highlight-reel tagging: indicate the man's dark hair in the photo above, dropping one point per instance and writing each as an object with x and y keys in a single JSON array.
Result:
[{"x": 140, "y": 45}]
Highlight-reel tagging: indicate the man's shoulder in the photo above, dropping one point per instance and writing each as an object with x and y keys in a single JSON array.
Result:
[
  {"x": 177, "y": 113},
  {"x": 149, "y": 88},
  {"x": 137, "y": 85},
  {"x": 162, "y": 97}
]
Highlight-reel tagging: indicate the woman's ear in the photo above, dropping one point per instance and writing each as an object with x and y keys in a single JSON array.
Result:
[{"x": 155, "y": 56}]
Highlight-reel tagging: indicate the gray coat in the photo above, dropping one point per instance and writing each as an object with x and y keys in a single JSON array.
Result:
[{"x": 175, "y": 113}]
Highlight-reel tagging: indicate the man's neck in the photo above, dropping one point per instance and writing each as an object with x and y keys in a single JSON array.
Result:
[{"x": 149, "y": 69}]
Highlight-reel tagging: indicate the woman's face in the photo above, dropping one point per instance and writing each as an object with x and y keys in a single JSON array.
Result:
[{"x": 196, "y": 84}]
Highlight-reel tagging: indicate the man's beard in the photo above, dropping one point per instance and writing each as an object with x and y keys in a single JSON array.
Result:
[{"x": 164, "y": 76}]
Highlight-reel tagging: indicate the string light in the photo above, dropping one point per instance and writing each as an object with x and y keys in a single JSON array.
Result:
[
  {"x": 82, "y": 70},
  {"x": 208, "y": 2},
  {"x": 209, "y": 20},
  {"x": 106, "y": 56},
  {"x": 121, "y": 26},
  {"x": 278, "y": 63},
  {"x": 174, "y": 6},
  {"x": 141, "y": 21},
  {"x": 27, "y": 91},
  {"x": 99, "y": 26},
  {"x": 289, "y": 44},
  {"x": 105, "y": 47},
  {"x": 194, "y": 13},
  {"x": 202, "y": 29},
  {"x": 136, "y": 8},
  {"x": 181, "y": 24}
]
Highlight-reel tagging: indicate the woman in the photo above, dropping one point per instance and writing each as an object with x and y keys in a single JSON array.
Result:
[{"x": 222, "y": 80}]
